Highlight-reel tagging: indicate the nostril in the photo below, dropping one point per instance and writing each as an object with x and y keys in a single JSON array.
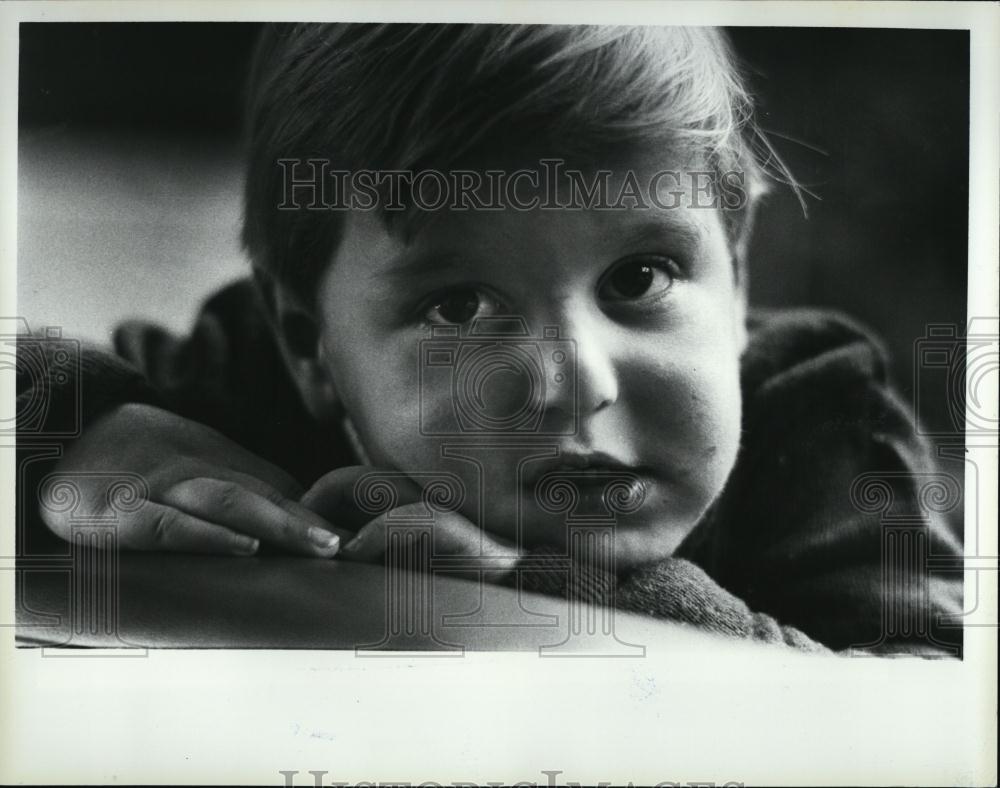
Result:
[{"x": 596, "y": 380}]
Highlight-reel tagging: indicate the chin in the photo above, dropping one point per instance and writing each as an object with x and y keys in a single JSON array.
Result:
[
  {"x": 644, "y": 543},
  {"x": 643, "y": 537}
]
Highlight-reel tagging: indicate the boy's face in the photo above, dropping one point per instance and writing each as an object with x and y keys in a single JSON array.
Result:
[{"x": 650, "y": 323}]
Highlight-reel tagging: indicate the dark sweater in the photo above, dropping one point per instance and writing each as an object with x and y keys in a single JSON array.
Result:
[{"x": 783, "y": 556}]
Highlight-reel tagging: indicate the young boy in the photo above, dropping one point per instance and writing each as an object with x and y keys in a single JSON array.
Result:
[{"x": 600, "y": 185}]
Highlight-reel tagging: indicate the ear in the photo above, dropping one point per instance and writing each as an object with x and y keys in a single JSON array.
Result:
[{"x": 300, "y": 339}]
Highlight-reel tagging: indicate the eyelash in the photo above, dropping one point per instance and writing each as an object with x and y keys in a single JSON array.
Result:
[
  {"x": 663, "y": 263},
  {"x": 439, "y": 296}
]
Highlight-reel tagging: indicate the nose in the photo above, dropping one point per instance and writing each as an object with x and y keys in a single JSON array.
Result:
[{"x": 592, "y": 376}]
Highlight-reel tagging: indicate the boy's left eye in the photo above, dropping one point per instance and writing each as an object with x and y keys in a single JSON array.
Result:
[{"x": 638, "y": 277}]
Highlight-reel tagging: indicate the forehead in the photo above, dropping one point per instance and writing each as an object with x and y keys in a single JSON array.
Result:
[
  {"x": 543, "y": 210},
  {"x": 509, "y": 182}
]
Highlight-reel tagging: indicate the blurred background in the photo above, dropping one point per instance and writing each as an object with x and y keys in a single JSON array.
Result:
[{"x": 129, "y": 176}]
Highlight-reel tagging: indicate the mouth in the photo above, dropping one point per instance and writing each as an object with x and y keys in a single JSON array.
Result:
[
  {"x": 582, "y": 464},
  {"x": 589, "y": 482}
]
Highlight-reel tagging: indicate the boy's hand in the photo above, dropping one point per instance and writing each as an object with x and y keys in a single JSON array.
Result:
[
  {"x": 206, "y": 493},
  {"x": 332, "y": 496}
]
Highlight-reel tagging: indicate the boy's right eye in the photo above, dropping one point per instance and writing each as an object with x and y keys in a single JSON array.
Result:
[{"x": 460, "y": 306}]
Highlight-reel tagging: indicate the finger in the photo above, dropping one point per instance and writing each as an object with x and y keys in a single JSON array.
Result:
[
  {"x": 452, "y": 534},
  {"x": 238, "y": 458},
  {"x": 456, "y": 535},
  {"x": 251, "y": 466},
  {"x": 165, "y": 528},
  {"x": 290, "y": 505},
  {"x": 229, "y": 503},
  {"x": 334, "y": 495}
]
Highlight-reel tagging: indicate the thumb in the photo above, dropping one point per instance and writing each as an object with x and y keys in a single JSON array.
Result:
[{"x": 451, "y": 533}]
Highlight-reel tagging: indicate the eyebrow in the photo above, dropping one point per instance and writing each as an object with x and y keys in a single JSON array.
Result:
[
  {"x": 409, "y": 267},
  {"x": 689, "y": 234},
  {"x": 419, "y": 266}
]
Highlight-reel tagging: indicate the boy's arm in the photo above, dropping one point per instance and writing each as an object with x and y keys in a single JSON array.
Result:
[{"x": 202, "y": 421}]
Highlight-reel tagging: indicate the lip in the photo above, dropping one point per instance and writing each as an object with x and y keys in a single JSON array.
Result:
[
  {"x": 593, "y": 477},
  {"x": 582, "y": 464}
]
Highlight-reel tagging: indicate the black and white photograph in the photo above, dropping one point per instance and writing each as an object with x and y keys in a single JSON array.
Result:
[{"x": 372, "y": 370}]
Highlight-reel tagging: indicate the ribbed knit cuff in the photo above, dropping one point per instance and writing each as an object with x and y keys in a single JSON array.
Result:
[{"x": 547, "y": 570}]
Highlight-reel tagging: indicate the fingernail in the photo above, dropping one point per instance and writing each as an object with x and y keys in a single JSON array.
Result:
[
  {"x": 321, "y": 538},
  {"x": 246, "y": 545}
]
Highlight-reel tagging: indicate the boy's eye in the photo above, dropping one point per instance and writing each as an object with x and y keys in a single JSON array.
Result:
[
  {"x": 637, "y": 278},
  {"x": 460, "y": 306}
]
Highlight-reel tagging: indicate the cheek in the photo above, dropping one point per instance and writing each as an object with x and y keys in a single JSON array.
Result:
[
  {"x": 687, "y": 402},
  {"x": 717, "y": 425},
  {"x": 711, "y": 383},
  {"x": 378, "y": 385},
  {"x": 698, "y": 410},
  {"x": 404, "y": 419}
]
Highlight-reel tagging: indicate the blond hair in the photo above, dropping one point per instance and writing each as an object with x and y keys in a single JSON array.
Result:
[{"x": 406, "y": 97}]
